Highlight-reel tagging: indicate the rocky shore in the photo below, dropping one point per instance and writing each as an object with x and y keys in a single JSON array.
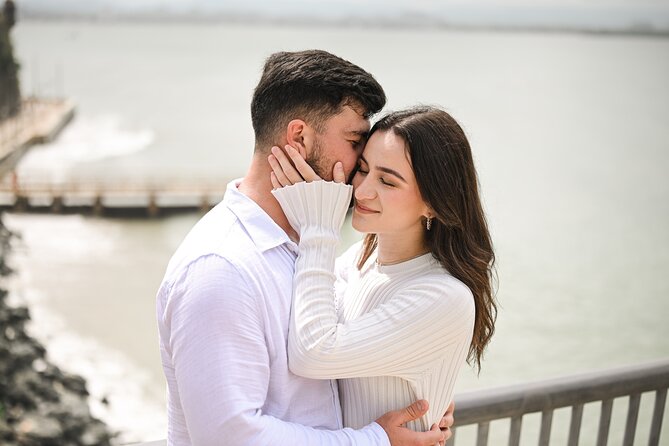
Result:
[{"x": 40, "y": 404}]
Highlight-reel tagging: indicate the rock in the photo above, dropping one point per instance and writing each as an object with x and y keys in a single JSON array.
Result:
[
  {"x": 40, "y": 405},
  {"x": 36, "y": 429},
  {"x": 75, "y": 383}
]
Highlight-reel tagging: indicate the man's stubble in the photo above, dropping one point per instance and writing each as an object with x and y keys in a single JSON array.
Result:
[{"x": 319, "y": 162}]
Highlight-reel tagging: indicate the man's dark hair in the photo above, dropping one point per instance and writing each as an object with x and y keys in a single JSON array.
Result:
[{"x": 311, "y": 85}]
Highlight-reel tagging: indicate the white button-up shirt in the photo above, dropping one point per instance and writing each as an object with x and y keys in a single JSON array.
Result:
[{"x": 223, "y": 313}]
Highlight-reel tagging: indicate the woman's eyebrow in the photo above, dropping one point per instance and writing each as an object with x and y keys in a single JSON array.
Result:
[
  {"x": 385, "y": 169},
  {"x": 391, "y": 172}
]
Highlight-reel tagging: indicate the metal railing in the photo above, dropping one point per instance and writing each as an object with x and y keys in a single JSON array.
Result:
[{"x": 485, "y": 406}]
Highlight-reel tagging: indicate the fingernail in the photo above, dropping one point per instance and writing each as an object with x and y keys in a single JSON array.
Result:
[
  {"x": 274, "y": 149},
  {"x": 422, "y": 405}
]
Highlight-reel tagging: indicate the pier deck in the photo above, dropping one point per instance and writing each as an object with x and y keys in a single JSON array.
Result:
[
  {"x": 39, "y": 122},
  {"x": 105, "y": 198}
]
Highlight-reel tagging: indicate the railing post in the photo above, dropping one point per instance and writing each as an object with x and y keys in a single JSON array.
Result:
[
  {"x": 514, "y": 434},
  {"x": 482, "y": 434},
  {"x": 575, "y": 424},
  {"x": 632, "y": 416},
  {"x": 658, "y": 413},
  {"x": 57, "y": 204},
  {"x": 546, "y": 422},
  {"x": 98, "y": 209},
  {"x": 604, "y": 422},
  {"x": 153, "y": 210}
]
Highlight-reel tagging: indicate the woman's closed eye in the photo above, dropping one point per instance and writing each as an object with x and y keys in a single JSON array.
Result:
[{"x": 385, "y": 183}]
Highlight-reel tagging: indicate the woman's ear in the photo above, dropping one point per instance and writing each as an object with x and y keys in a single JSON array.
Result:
[
  {"x": 428, "y": 212},
  {"x": 301, "y": 136}
]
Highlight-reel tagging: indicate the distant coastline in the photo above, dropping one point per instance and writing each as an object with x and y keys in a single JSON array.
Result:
[{"x": 411, "y": 21}]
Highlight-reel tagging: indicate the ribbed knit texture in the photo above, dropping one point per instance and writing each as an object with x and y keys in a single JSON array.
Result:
[{"x": 402, "y": 332}]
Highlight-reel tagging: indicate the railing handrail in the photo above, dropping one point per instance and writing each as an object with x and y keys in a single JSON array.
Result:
[
  {"x": 483, "y": 406},
  {"x": 512, "y": 401}
]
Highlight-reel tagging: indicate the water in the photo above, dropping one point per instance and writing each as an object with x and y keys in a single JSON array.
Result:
[{"x": 569, "y": 133}]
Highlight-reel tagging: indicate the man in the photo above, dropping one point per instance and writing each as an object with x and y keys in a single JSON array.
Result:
[{"x": 223, "y": 307}]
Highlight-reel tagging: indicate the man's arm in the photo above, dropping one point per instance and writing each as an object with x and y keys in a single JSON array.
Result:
[{"x": 221, "y": 362}]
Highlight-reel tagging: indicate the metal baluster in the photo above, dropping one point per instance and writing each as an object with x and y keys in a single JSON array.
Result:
[
  {"x": 575, "y": 424},
  {"x": 632, "y": 416},
  {"x": 604, "y": 422},
  {"x": 482, "y": 434},
  {"x": 546, "y": 422},
  {"x": 514, "y": 435},
  {"x": 658, "y": 413}
]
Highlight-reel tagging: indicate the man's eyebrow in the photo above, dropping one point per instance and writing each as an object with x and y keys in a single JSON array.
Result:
[{"x": 361, "y": 133}]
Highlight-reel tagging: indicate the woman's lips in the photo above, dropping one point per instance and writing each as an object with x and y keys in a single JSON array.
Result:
[{"x": 364, "y": 210}]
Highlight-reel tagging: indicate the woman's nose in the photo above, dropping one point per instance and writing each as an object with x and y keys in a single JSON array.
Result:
[{"x": 363, "y": 191}]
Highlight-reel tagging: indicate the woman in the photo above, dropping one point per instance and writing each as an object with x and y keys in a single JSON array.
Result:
[{"x": 406, "y": 307}]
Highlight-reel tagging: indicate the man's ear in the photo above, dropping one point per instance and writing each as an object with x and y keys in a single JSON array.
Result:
[{"x": 300, "y": 135}]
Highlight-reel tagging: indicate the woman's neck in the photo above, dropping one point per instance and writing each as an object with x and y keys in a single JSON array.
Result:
[{"x": 398, "y": 247}]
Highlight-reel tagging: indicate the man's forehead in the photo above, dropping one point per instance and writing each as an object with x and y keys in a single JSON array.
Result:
[{"x": 350, "y": 122}]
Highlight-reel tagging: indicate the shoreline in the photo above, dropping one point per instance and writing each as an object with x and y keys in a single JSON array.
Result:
[{"x": 39, "y": 402}]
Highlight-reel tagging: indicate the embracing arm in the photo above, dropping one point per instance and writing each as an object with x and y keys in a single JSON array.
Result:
[{"x": 219, "y": 353}]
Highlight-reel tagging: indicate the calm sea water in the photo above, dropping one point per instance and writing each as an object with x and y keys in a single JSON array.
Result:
[{"x": 570, "y": 135}]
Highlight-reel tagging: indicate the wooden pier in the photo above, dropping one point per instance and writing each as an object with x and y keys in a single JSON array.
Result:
[
  {"x": 121, "y": 198},
  {"x": 39, "y": 122}
]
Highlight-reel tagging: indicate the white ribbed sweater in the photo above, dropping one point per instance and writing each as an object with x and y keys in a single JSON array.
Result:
[{"x": 402, "y": 332}]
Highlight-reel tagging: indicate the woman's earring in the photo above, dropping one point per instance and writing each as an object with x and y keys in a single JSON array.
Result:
[{"x": 428, "y": 225}]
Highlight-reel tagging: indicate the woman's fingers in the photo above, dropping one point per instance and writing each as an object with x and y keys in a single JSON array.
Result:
[
  {"x": 338, "y": 173},
  {"x": 301, "y": 165},
  {"x": 275, "y": 182},
  {"x": 278, "y": 172},
  {"x": 288, "y": 169}
]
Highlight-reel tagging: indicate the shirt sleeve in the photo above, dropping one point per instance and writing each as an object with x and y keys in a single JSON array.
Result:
[
  {"x": 221, "y": 362},
  {"x": 401, "y": 337}
]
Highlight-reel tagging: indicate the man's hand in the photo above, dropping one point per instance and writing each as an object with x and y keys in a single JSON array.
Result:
[
  {"x": 393, "y": 423},
  {"x": 447, "y": 421}
]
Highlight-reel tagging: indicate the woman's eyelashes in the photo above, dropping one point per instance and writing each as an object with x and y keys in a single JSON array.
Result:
[
  {"x": 385, "y": 183},
  {"x": 362, "y": 171}
]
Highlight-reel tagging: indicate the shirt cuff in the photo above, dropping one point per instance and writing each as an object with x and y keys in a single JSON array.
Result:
[
  {"x": 377, "y": 434},
  {"x": 318, "y": 204}
]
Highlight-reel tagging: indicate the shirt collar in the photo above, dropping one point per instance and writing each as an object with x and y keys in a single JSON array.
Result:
[{"x": 264, "y": 232}]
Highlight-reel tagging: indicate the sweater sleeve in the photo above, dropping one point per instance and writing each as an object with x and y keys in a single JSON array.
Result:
[{"x": 401, "y": 337}]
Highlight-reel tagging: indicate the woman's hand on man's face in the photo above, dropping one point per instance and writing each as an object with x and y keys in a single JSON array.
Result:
[{"x": 290, "y": 167}]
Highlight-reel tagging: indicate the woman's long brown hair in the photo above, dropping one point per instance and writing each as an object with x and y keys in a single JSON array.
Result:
[{"x": 459, "y": 238}]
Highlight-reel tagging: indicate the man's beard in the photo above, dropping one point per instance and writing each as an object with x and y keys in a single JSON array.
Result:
[{"x": 317, "y": 160}]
